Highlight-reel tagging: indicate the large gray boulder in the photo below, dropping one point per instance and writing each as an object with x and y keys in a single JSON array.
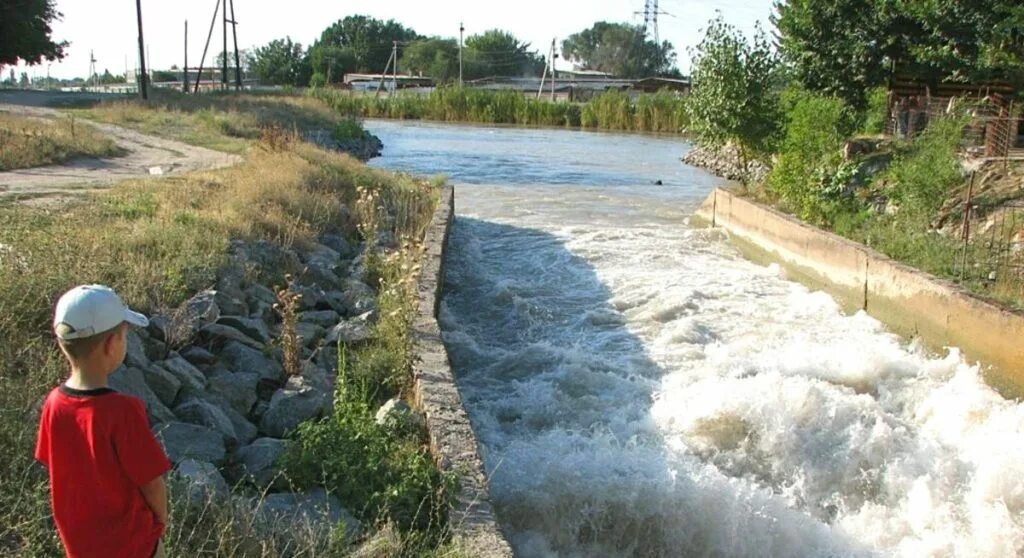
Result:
[
  {"x": 258, "y": 462},
  {"x": 260, "y": 293},
  {"x": 313, "y": 297},
  {"x": 289, "y": 408},
  {"x": 131, "y": 381},
  {"x": 193, "y": 382},
  {"x": 309, "y": 333},
  {"x": 313, "y": 376},
  {"x": 205, "y": 413},
  {"x": 246, "y": 431},
  {"x": 322, "y": 255},
  {"x": 220, "y": 334},
  {"x": 358, "y": 297},
  {"x": 136, "y": 354},
  {"x": 198, "y": 483},
  {"x": 322, "y": 318},
  {"x": 323, "y": 266},
  {"x": 241, "y": 358},
  {"x": 252, "y": 327},
  {"x": 163, "y": 383},
  {"x": 238, "y": 389},
  {"x": 398, "y": 417},
  {"x": 198, "y": 356},
  {"x": 350, "y": 332},
  {"x": 339, "y": 244},
  {"x": 200, "y": 310},
  {"x": 228, "y": 300},
  {"x": 315, "y": 513},
  {"x": 182, "y": 440}
]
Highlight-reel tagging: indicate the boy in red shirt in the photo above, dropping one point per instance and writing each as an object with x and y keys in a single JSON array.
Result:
[{"x": 106, "y": 485}]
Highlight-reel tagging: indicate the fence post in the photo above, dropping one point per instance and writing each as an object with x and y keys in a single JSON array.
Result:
[{"x": 966, "y": 234}]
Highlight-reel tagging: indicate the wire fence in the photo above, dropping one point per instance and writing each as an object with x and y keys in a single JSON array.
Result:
[
  {"x": 992, "y": 131},
  {"x": 990, "y": 258}
]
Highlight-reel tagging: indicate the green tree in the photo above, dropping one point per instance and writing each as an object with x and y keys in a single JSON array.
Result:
[
  {"x": 331, "y": 63},
  {"x": 356, "y": 44},
  {"x": 25, "y": 32},
  {"x": 281, "y": 62},
  {"x": 108, "y": 78},
  {"x": 434, "y": 57},
  {"x": 499, "y": 53},
  {"x": 735, "y": 95},
  {"x": 620, "y": 49},
  {"x": 846, "y": 47}
]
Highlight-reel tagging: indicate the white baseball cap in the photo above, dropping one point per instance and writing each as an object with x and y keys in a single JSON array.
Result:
[{"x": 91, "y": 309}]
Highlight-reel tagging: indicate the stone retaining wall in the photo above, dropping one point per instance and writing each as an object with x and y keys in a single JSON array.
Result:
[
  {"x": 909, "y": 301},
  {"x": 452, "y": 440}
]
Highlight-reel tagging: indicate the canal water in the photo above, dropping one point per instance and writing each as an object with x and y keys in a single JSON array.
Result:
[{"x": 642, "y": 390}]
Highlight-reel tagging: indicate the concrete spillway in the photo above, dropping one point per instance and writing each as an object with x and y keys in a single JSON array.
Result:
[{"x": 640, "y": 389}]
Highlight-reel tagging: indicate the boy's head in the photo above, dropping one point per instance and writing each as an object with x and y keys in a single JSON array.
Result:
[{"x": 90, "y": 323}]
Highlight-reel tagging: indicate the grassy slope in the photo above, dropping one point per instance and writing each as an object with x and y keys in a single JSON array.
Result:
[
  {"x": 32, "y": 142},
  {"x": 157, "y": 242},
  {"x": 225, "y": 122}
]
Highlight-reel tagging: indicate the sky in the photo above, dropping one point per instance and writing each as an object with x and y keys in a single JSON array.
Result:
[{"x": 108, "y": 27}]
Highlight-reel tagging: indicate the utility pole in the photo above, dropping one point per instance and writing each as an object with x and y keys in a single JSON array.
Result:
[
  {"x": 654, "y": 16},
  {"x": 224, "y": 52},
  {"x": 384, "y": 74},
  {"x": 141, "y": 52},
  {"x": 394, "y": 67},
  {"x": 184, "y": 70},
  {"x": 553, "y": 75},
  {"x": 209, "y": 35},
  {"x": 92, "y": 70},
  {"x": 542, "y": 76},
  {"x": 234, "y": 33},
  {"x": 461, "y": 30}
]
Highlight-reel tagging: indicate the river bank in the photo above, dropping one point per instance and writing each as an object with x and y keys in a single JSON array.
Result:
[{"x": 266, "y": 282}]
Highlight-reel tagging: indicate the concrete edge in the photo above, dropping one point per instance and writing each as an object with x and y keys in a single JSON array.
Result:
[
  {"x": 909, "y": 301},
  {"x": 452, "y": 440}
]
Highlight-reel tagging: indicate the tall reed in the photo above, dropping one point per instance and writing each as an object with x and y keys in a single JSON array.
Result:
[{"x": 611, "y": 110}]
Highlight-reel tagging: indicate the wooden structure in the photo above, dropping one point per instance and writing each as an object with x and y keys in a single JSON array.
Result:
[{"x": 996, "y": 114}]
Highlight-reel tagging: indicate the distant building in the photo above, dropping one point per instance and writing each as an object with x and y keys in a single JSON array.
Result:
[
  {"x": 386, "y": 82},
  {"x": 655, "y": 84}
]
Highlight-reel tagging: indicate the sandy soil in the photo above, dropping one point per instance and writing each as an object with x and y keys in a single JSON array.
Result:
[{"x": 146, "y": 156}]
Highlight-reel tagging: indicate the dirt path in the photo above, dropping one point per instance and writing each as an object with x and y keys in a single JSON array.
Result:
[{"x": 146, "y": 156}]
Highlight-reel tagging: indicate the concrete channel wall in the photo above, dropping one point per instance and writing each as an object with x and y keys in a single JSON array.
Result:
[
  {"x": 912, "y": 303},
  {"x": 452, "y": 439}
]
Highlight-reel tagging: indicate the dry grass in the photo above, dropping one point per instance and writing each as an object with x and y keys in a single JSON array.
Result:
[
  {"x": 33, "y": 142},
  {"x": 225, "y": 122},
  {"x": 155, "y": 242}
]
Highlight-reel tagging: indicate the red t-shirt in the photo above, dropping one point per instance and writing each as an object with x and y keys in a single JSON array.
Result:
[{"x": 99, "y": 450}]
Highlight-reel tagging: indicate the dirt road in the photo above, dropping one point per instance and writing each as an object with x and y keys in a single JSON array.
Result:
[{"x": 146, "y": 156}]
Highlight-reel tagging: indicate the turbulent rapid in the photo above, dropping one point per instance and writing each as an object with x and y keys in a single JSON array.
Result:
[{"x": 642, "y": 390}]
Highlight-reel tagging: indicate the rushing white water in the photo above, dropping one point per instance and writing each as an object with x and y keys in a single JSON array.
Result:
[{"x": 641, "y": 390}]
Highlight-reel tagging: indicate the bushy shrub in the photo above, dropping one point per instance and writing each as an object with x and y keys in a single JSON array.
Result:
[
  {"x": 809, "y": 176},
  {"x": 921, "y": 178}
]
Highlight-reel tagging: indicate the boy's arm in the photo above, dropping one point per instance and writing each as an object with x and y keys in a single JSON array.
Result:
[{"x": 155, "y": 494}]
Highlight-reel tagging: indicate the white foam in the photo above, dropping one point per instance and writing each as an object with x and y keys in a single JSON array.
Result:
[{"x": 642, "y": 390}]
